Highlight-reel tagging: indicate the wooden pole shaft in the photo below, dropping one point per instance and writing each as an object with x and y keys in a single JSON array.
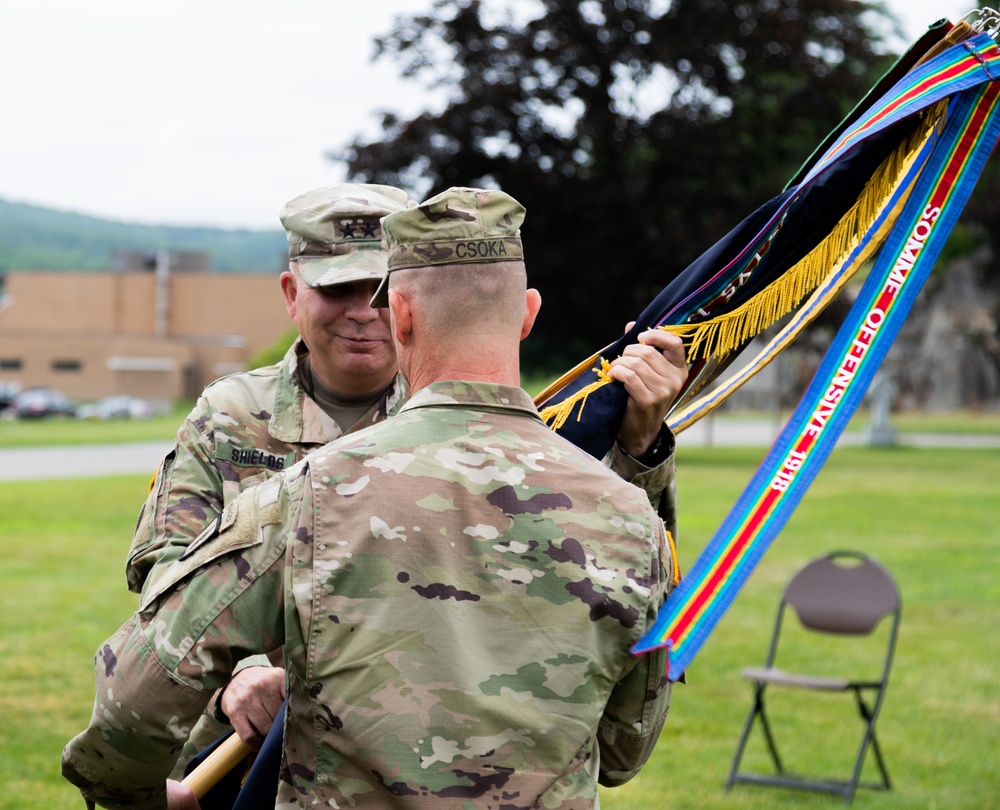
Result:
[{"x": 216, "y": 765}]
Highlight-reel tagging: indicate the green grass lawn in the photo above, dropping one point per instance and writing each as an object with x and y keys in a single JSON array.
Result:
[
  {"x": 928, "y": 515},
  {"x": 56, "y": 431},
  {"x": 61, "y": 592},
  {"x": 63, "y": 431}
]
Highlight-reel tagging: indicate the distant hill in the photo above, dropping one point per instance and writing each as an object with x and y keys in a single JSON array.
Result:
[{"x": 35, "y": 238}]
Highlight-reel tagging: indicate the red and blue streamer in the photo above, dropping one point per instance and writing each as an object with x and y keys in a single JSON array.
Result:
[{"x": 957, "y": 157}]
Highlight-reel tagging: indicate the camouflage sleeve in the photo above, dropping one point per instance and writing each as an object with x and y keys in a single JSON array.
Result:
[
  {"x": 659, "y": 480},
  {"x": 637, "y": 708},
  {"x": 186, "y": 493},
  {"x": 141, "y": 717},
  {"x": 223, "y": 601}
]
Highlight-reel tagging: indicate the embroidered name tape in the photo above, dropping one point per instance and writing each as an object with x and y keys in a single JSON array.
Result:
[{"x": 253, "y": 457}]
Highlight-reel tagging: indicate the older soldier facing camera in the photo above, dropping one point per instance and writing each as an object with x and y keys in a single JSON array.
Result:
[
  {"x": 455, "y": 589},
  {"x": 338, "y": 377}
]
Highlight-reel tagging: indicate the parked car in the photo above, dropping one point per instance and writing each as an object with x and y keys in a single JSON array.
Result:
[
  {"x": 8, "y": 390},
  {"x": 118, "y": 406},
  {"x": 34, "y": 403}
]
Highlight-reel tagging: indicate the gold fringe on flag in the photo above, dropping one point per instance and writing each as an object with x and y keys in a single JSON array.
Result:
[
  {"x": 719, "y": 336},
  {"x": 557, "y": 415}
]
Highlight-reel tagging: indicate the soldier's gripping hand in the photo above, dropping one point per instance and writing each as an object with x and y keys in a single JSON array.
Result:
[
  {"x": 180, "y": 797},
  {"x": 653, "y": 372},
  {"x": 251, "y": 701}
]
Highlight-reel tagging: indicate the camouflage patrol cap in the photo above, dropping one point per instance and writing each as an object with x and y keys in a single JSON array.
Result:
[
  {"x": 334, "y": 232},
  {"x": 457, "y": 226}
]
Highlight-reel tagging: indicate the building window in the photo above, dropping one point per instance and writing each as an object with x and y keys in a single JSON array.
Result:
[
  {"x": 9, "y": 364},
  {"x": 66, "y": 365}
]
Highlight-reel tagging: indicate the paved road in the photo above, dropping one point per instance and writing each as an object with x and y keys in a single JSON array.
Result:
[
  {"x": 92, "y": 461},
  {"x": 84, "y": 461}
]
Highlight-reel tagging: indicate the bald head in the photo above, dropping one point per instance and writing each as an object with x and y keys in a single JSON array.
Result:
[
  {"x": 461, "y": 321},
  {"x": 464, "y": 301}
]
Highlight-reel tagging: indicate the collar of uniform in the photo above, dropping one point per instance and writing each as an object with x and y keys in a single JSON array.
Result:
[
  {"x": 460, "y": 393},
  {"x": 298, "y": 419},
  {"x": 289, "y": 421}
]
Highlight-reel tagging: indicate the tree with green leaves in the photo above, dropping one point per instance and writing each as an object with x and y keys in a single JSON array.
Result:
[{"x": 635, "y": 132}]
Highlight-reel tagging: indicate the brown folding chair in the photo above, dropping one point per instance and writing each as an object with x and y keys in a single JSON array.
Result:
[{"x": 842, "y": 594}]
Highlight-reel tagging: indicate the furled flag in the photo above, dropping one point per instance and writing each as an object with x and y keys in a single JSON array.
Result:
[
  {"x": 793, "y": 254},
  {"x": 885, "y": 192}
]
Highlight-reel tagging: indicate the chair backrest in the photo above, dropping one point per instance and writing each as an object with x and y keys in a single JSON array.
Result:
[{"x": 844, "y": 592}]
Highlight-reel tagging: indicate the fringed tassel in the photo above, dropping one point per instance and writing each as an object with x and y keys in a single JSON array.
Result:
[
  {"x": 555, "y": 416},
  {"x": 726, "y": 333},
  {"x": 675, "y": 578},
  {"x": 556, "y": 386},
  {"x": 718, "y": 337}
]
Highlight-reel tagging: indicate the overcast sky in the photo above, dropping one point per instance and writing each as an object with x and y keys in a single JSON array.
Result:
[{"x": 207, "y": 112}]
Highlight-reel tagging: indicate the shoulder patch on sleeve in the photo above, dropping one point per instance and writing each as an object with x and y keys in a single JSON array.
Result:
[
  {"x": 222, "y": 521},
  {"x": 234, "y": 529}
]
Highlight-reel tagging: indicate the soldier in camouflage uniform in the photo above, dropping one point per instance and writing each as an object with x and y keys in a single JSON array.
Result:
[
  {"x": 455, "y": 589},
  {"x": 249, "y": 426},
  {"x": 340, "y": 375}
]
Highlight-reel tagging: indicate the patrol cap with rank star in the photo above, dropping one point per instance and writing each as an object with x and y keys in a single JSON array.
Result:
[
  {"x": 457, "y": 226},
  {"x": 334, "y": 233}
]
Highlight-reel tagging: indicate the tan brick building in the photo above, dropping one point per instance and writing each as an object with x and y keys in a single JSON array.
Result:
[{"x": 159, "y": 334}]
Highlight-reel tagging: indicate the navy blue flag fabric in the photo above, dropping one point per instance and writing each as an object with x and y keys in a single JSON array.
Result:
[
  {"x": 241, "y": 789},
  {"x": 738, "y": 267},
  {"x": 702, "y": 290}
]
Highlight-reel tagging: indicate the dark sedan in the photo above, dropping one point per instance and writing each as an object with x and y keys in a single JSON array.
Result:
[{"x": 35, "y": 403}]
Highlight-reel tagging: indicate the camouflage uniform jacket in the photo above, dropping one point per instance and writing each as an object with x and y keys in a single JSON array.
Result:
[
  {"x": 456, "y": 591},
  {"x": 244, "y": 428}
]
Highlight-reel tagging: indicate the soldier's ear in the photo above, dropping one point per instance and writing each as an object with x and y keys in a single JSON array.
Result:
[
  {"x": 532, "y": 303},
  {"x": 400, "y": 316},
  {"x": 289, "y": 289}
]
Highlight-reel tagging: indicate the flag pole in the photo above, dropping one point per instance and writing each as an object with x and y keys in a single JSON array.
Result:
[{"x": 221, "y": 761}]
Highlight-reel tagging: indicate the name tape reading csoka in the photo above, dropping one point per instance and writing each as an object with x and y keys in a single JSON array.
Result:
[{"x": 481, "y": 249}]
